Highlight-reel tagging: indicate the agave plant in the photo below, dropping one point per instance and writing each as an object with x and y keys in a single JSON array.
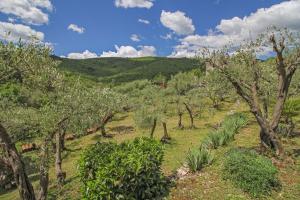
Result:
[{"x": 198, "y": 158}]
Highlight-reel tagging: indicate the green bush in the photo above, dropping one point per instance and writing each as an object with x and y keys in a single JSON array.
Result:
[
  {"x": 130, "y": 170},
  {"x": 198, "y": 158},
  {"x": 251, "y": 172}
]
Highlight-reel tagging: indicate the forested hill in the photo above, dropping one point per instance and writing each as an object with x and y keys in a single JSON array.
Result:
[{"x": 120, "y": 70}]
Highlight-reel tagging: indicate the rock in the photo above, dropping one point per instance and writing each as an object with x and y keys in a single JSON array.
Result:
[
  {"x": 182, "y": 172},
  {"x": 70, "y": 137},
  {"x": 28, "y": 147},
  {"x": 91, "y": 130}
]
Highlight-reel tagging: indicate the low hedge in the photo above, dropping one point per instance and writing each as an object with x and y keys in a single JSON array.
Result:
[{"x": 130, "y": 170}]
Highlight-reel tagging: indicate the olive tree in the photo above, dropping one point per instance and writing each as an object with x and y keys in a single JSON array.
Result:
[
  {"x": 187, "y": 92},
  {"x": 216, "y": 87},
  {"x": 35, "y": 98},
  {"x": 153, "y": 109},
  {"x": 30, "y": 68},
  {"x": 251, "y": 77},
  {"x": 106, "y": 104}
]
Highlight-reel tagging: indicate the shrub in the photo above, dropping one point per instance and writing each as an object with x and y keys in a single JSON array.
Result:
[
  {"x": 251, "y": 172},
  {"x": 198, "y": 158},
  {"x": 130, "y": 170},
  {"x": 227, "y": 131}
]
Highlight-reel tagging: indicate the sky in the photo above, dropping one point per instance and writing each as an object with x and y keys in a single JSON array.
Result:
[{"x": 135, "y": 28}]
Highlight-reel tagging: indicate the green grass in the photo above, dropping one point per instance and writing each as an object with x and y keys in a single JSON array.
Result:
[{"x": 207, "y": 184}]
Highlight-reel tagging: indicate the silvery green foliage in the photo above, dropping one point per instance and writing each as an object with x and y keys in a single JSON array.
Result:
[
  {"x": 187, "y": 88},
  {"x": 28, "y": 78},
  {"x": 245, "y": 67},
  {"x": 133, "y": 91},
  {"x": 216, "y": 87},
  {"x": 37, "y": 100},
  {"x": 295, "y": 84},
  {"x": 106, "y": 101},
  {"x": 153, "y": 104}
]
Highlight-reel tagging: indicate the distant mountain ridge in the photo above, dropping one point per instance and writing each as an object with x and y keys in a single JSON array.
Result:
[{"x": 120, "y": 70}]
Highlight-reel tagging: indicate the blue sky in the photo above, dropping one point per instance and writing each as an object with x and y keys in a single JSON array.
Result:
[{"x": 101, "y": 25}]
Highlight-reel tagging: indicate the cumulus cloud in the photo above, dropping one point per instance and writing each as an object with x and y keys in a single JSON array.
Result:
[
  {"x": 84, "y": 55},
  {"x": 76, "y": 28},
  {"x": 237, "y": 30},
  {"x": 14, "y": 32},
  {"x": 135, "y": 38},
  {"x": 134, "y": 3},
  {"x": 177, "y": 22},
  {"x": 30, "y": 11},
  {"x": 131, "y": 52},
  {"x": 144, "y": 21}
]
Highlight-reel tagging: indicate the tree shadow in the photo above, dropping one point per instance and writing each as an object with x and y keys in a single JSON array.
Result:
[
  {"x": 295, "y": 134},
  {"x": 120, "y": 118},
  {"x": 122, "y": 129},
  {"x": 99, "y": 136},
  {"x": 296, "y": 152},
  {"x": 69, "y": 180}
]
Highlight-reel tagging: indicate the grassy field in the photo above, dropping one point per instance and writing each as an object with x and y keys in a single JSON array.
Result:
[{"x": 208, "y": 184}]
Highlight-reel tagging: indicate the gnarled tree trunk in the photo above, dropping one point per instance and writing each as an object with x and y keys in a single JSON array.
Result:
[
  {"x": 103, "y": 122},
  {"x": 102, "y": 129},
  {"x": 63, "y": 147},
  {"x": 166, "y": 136},
  {"x": 190, "y": 115},
  {"x": 153, "y": 128},
  {"x": 44, "y": 170},
  {"x": 11, "y": 154},
  {"x": 180, "y": 125},
  {"x": 60, "y": 174}
]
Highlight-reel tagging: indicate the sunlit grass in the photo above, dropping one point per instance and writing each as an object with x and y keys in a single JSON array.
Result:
[{"x": 208, "y": 184}]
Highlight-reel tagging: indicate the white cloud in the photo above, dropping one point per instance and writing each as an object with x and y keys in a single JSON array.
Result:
[
  {"x": 144, "y": 21},
  {"x": 168, "y": 36},
  {"x": 84, "y": 55},
  {"x": 237, "y": 30},
  {"x": 14, "y": 32},
  {"x": 135, "y": 38},
  {"x": 130, "y": 52},
  {"x": 177, "y": 22},
  {"x": 12, "y": 20},
  {"x": 76, "y": 28},
  {"x": 30, "y": 11},
  {"x": 134, "y": 3}
]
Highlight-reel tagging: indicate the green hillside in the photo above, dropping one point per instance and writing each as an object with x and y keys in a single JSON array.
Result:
[{"x": 120, "y": 70}]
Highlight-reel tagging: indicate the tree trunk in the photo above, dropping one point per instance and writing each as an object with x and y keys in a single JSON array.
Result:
[
  {"x": 103, "y": 122},
  {"x": 60, "y": 175},
  {"x": 270, "y": 140},
  {"x": 102, "y": 129},
  {"x": 265, "y": 108},
  {"x": 63, "y": 141},
  {"x": 190, "y": 115},
  {"x": 25, "y": 188},
  {"x": 153, "y": 128},
  {"x": 180, "y": 126},
  {"x": 44, "y": 170},
  {"x": 166, "y": 136}
]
